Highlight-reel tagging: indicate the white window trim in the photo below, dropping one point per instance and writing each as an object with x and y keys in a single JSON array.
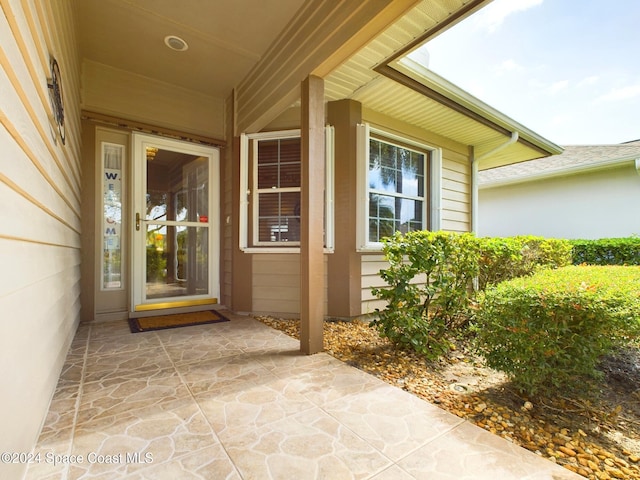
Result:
[
  {"x": 256, "y": 242},
  {"x": 122, "y": 212},
  {"x": 432, "y": 198},
  {"x": 245, "y": 193}
]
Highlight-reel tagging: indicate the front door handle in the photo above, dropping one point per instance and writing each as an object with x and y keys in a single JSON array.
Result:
[{"x": 137, "y": 221}]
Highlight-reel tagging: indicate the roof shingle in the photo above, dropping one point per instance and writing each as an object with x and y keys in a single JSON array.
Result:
[{"x": 574, "y": 158}]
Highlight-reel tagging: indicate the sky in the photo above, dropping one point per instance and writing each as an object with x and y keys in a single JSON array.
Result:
[{"x": 567, "y": 69}]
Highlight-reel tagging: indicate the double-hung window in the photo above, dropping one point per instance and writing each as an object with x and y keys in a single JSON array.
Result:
[
  {"x": 394, "y": 187},
  {"x": 276, "y": 181},
  {"x": 270, "y": 190}
]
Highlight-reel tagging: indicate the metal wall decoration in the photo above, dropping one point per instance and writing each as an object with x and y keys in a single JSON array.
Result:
[{"x": 57, "y": 99}]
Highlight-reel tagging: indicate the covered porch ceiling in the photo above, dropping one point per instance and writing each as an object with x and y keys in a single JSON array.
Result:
[
  {"x": 231, "y": 42},
  {"x": 225, "y": 38}
]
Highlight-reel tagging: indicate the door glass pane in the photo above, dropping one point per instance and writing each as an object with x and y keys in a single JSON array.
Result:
[
  {"x": 176, "y": 224},
  {"x": 112, "y": 162},
  {"x": 176, "y": 263},
  {"x": 177, "y": 186}
]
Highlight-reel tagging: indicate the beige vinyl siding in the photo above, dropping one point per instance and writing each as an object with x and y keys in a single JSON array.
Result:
[
  {"x": 40, "y": 222},
  {"x": 456, "y": 192},
  {"x": 370, "y": 278},
  {"x": 371, "y": 266},
  {"x": 276, "y": 283}
]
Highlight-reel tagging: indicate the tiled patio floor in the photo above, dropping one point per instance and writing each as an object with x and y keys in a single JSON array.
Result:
[{"x": 237, "y": 400}]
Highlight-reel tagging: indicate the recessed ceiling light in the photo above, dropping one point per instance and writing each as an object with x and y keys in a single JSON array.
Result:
[{"x": 175, "y": 43}]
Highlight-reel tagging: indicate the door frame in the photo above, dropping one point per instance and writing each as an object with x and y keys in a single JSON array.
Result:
[{"x": 138, "y": 304}]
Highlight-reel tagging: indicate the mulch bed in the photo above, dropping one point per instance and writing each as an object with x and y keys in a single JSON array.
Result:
[{"x": 596, "y": 435}]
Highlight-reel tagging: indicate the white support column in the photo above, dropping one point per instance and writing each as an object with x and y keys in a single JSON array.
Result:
[{"x": 312, "y": 216}]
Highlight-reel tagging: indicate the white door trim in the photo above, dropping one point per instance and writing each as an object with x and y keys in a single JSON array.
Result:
[{"x": 138, "y": 301}]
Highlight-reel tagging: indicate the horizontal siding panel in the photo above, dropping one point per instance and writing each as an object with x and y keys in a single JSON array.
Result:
[
  {"x": 461, "y": 166},
  {"x": 370, "y": 267},
  {"x": 276, "y": 306},
  {"x": 17, "y": 121},
  {"x": 48, "y": 305},
  {"x": 283, "y": 280},
  {"x": 276, "y": 283},
  {"x": 40, "y": 232},
  {"x": 276, "y": 264},
  {"x": 455, "y": 195},
  {"x": 460, "y": 177},
  {"x": 26, "y": 221},
  {"x": 448, "y": 184},
  {"x": 46, "y": 261},
  {"x": 69, "y": 158},
  {"x": 276, "y": 291},
  {"x": 371, "y": 264},
  {"x": 456, "y": 161},
  {"x": 455, "y": 206},
  {"x": 452, "y": 215},
  {"x": 455, "y": 226},
  {"x": 370, "y": 281},
  {"x": 369, "y": 306},
  {"x": 19, "y": 170},
  {"x": 28, "y": 116},
  {"x": 40, "y": 321},
  {"x": 367, "y": 295}
]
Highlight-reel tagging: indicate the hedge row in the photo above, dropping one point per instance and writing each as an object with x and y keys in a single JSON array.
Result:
[
  {"x": 503, "y": 258},
  {"x": 607, "y": 251},
  {"x": 548, "y": 330},
  {"x": 541, "y": 321},
  {"x": 430, "y": 279}
]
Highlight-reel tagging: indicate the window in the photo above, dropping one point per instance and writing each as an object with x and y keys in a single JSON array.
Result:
[
  {"x": 277, "y": 186},
  {"x": 112, "y": 168},
  {"x": 395, "y": 184},
  {"x": 270, "y": 176}
]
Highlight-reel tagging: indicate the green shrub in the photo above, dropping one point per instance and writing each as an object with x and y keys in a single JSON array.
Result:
[
  {"x": 543, "y": 252},
  {"x": 503, "y": 258},
  {"x": 429, "y": 278},
  {"x": 548, "y": 330},
  {"x": 607, "y": 251}
]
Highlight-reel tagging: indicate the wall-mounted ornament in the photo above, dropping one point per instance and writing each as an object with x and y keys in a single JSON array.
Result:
[{"x": 57, "y": 99}]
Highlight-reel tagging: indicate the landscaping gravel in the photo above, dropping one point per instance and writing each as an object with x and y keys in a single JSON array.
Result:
[{"x": 596, "y": 435}]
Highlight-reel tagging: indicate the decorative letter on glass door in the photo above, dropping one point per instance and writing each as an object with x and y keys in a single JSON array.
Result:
[{"x": 112, "y": 158}]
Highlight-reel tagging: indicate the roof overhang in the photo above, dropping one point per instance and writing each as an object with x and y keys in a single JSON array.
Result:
[{"x": 384, "y": 79}]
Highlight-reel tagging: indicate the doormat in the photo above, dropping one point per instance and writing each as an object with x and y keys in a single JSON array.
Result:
[{"x": 161, "y": 322}]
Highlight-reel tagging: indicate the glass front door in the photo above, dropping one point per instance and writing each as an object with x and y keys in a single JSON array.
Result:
[{"x": 176, "y": 224}]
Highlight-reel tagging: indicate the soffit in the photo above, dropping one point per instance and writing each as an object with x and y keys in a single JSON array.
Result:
[
  {"x": 358, "y": 71},
  {"x": 359, "y": 80},
  {"x": 226, "y": 38}
]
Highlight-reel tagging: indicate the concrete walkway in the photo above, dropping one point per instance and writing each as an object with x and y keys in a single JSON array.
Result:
[{"x": 236, "y": 400}]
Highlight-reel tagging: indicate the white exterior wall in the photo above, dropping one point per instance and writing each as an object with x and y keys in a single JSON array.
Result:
[
  {"x": 40, "y": 217},
  {"x": 597, "y": 204}
]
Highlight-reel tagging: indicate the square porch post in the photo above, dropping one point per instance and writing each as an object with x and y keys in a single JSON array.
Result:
[{"x": 312, "y": 216}]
